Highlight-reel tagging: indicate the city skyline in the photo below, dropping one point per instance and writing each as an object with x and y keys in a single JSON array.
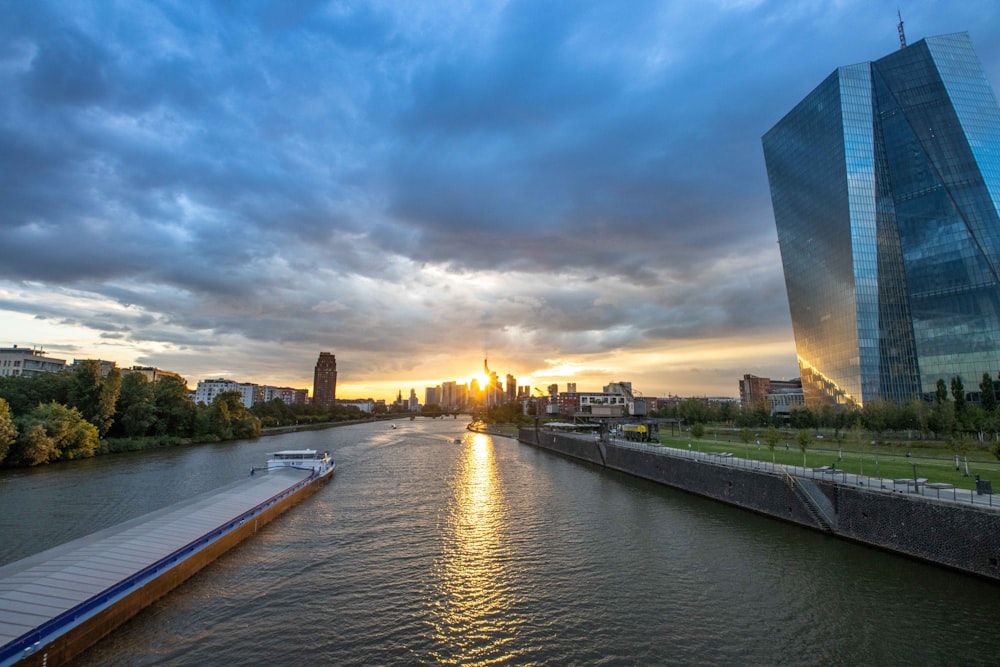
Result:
[{"x": 576, "y": 191}]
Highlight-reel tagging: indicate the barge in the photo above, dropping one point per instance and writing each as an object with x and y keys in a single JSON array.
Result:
[{"x": 58, "y": 603}]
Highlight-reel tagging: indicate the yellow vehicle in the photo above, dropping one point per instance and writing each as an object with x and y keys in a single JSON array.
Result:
[{"x": 636, "y": 432}]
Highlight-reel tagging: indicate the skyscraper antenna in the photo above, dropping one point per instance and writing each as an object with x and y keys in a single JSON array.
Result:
[{"x": 902, "y": 35}]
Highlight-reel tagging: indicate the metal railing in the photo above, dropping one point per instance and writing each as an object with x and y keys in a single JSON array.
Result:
[{"x": 937, "y": 492}]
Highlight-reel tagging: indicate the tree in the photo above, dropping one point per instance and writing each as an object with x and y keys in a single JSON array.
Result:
[
  {"x": 8, "y": 432},
  {"x": 107, "y": 401},
  {"x": 941, "y": 420},
  {"x": 958, "y": 393},
  {"x": 95, "y": 397},
  {"x": 697, "y": 430},
  {"x": 175, "y": 412},
  {"x": 802, "y": 418},
  {"x": 273, "y": 413},
  {"x": 802, "y": 439},
  {"x": 85, "y": 387},
  {"x": 230, "y": 419},
  {"x": 728, "y": 412},
  {"x": 987, "y": 396},
  {"x": 23, "y": 394},
  {"x": 53, "y": 432},
  {"x": 773, "y": 437},
  {"x": 136, "y": 410},
  {"x": 876, "y": 415},
  {"x": 33, "y": 447},
  {"x": 694, "y": 410},
  {"x": 941, "y": 392}
]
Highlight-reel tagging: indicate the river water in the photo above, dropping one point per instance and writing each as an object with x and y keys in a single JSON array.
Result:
[{"x": 427, "y": 551}]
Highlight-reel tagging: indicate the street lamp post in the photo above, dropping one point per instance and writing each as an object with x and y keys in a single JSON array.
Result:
[
  {"x": 877, "y": 473},
  {"x": 916, "y": 487}
]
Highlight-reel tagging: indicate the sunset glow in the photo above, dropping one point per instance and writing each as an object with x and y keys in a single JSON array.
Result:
[{"x": 595, "y": 232}]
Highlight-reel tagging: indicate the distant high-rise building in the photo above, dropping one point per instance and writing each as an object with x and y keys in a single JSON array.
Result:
[
  {"x": 449, "y": 395},
  {"x": 571, "y": 387},
  {"x": 885, "y": 182},
  {"x": 511, "y": 388},
  {"x": 325, "y": 380},
  {"x": 432, "y": 396},
  {"x": 754, "y": 390}
]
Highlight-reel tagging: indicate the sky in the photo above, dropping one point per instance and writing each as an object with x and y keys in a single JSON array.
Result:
[{"x": 574, "y": 189}]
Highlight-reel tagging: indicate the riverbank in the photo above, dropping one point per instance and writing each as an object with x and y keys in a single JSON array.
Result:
[
  {"x": 943, "y": 531},
  {"x": 295, "y": 428}
]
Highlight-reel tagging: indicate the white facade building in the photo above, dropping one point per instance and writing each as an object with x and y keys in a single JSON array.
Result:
[
  {"x": 367, "y": 406},
  {"x": 208, "y": 389},
  {"x": 28, "y": 362}
]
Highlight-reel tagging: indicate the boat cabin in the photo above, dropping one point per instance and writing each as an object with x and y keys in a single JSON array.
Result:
[{"x": 299, "y": 458}]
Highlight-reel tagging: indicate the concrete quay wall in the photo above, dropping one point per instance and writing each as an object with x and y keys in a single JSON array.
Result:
[{"x": 961, "y": 537}]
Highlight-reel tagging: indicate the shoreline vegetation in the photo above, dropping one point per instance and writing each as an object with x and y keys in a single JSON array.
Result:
[{"x": 81, "y": 413}]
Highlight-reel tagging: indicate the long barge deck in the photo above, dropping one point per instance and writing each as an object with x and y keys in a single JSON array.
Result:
[{"x": 57, "y": 603}]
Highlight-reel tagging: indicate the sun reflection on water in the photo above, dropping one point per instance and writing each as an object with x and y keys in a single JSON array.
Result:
[{"x": 471, "y": 610}]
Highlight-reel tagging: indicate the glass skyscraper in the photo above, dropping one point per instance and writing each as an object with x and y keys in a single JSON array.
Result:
[{"x": 885, "y": 183}]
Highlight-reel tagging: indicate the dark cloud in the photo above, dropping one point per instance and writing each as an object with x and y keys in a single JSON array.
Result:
[{"x": 407, "y": 184}]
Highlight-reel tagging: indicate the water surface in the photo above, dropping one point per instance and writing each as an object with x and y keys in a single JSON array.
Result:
[{"x": 427, "y": 551}]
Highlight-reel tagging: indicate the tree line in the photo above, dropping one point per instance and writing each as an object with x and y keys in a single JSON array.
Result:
[
  {"x": 78, "y": 413},
  {"x": 949, "y": 416}
]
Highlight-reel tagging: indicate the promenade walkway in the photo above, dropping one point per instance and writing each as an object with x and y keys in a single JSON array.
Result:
[{"x": 946, "y": 493}]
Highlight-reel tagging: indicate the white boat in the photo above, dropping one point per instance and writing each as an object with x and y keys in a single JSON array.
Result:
[{"x": 302, "y": 459}]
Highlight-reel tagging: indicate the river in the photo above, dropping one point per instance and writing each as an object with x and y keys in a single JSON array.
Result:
[{"x": 427, "y": 551}]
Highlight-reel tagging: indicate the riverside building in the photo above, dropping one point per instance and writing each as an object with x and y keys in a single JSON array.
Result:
[
  {"x": 885, "y": 181},
  {"x": 28, "y": 362}
]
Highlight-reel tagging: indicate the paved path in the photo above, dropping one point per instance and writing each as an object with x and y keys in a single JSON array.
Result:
[{"x": 926, "y": 490}]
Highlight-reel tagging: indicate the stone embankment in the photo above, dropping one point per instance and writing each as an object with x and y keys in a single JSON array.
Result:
[{"x": 962, "y": 536}]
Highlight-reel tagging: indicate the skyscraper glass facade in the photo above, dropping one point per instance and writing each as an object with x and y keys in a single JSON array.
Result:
[{"x": 885, "y": 183}]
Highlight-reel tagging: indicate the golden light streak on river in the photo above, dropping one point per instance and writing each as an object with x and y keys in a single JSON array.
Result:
[{"x": 472, "y": 610}]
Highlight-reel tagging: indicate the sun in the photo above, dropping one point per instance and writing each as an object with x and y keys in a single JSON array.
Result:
[{"x": 483, "y": 379}]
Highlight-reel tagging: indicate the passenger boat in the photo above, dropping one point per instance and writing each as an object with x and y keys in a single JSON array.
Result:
[{"x": 303, "y": 459}]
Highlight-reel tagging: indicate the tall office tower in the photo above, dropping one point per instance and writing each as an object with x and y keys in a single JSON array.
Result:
[
  {"x": 885, "y": 181},
  {"x": 325, "y": 380},
  {"x": 449, "y": 396}
]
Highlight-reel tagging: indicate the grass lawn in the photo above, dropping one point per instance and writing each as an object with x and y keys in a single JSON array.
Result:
[{"x": 935, "y": 462}]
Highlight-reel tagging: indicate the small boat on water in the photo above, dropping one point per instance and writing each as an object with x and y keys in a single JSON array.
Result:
[{"x": 394, "y": 426}]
